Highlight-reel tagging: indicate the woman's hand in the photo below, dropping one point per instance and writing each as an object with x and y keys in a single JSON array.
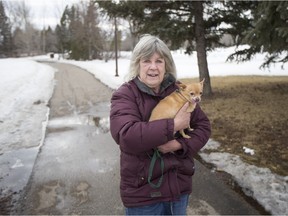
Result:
[
  {"x": 182, "y": 118},
  {"x": 170, "y": 146}
]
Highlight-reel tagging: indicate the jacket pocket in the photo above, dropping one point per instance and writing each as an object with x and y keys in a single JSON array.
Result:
[
  {"x": 187, "y": 166},
  {"x": 129, "y": 168},
  {"x": 142, "y": 173}
]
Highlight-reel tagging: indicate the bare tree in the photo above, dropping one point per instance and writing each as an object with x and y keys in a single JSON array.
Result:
[
  {"x": 27, "y": 39},
  {"x": 6, "y": 44},
  {"x": 19, "y": 13}
]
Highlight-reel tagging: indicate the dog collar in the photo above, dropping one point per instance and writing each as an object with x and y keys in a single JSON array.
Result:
[{"x": 185, "y": 98}]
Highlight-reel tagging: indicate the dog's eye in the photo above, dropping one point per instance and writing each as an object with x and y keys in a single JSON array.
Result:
[
  {"x": 201, "y": 93},
  {"x": 192, "y": 94}
]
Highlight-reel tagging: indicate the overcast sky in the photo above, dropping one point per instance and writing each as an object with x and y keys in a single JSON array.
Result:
[{"x": 45, "y": 12}]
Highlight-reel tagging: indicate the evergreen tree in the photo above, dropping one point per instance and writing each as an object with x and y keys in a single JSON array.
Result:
[
  {"x": 62, "y": 32},
  {"x": 77, "y": 39},
  {"x": 267, "y": 33},
  {"x": 236, "y": 18},
  {"x": 79, "y": 33},
  {"x": 50, "y": 40},
  {"x": 176, "y": 22},
  {"x": 93, "y": 38},
  {"x": 6, "y": 44},
  {"x": 260, "y": 24},
  {"x": 69, "y": 32}
]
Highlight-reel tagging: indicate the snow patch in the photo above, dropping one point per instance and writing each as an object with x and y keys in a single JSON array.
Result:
[{"x": 269, "y": 189}]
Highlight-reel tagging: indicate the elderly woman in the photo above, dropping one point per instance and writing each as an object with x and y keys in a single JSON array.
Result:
[{"x": 160, "y": 183}]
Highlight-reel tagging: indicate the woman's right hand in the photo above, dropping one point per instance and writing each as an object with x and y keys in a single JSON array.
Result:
[{"x": 182, "y": 118}]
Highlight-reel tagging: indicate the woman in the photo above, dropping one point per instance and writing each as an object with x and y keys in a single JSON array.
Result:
[{"x": 156, "y": 163}]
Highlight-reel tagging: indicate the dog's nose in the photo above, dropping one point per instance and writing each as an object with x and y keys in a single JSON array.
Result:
[{"x": 197, "y": 100}]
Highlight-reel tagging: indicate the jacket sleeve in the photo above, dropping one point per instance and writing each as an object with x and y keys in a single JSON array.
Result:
[
  {"x": 199, "y": 136},
  {"x": 127, "y": 128}
]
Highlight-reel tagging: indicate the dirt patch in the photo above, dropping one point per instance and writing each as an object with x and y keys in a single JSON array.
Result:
[
  {"x": 250, "y": 111},
  {"x": 6, "y": 201}
]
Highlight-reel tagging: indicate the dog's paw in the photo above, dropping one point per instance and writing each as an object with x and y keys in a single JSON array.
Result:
[{"x": 184, "y": 135}]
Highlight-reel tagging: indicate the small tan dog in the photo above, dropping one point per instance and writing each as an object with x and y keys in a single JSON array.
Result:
[{"x": 170, "y": 105}]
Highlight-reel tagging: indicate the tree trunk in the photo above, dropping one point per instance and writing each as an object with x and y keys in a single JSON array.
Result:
[{"x": 201, "y": 47}]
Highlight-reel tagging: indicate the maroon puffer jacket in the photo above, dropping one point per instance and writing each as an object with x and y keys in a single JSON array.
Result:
[{"x": 131, "y": 106}]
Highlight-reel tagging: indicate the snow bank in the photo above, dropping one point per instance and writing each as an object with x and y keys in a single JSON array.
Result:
[{"x": 269, "y": 189}]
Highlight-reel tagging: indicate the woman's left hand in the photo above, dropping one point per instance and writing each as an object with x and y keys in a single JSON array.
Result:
[{"x": 170, "y": 146}]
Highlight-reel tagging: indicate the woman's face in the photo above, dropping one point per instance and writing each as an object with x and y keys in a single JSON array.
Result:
[{"x": 152, "y": 71}]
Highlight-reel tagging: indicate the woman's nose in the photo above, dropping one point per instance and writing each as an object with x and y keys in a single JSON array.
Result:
[{"x": 153, "y": 65}]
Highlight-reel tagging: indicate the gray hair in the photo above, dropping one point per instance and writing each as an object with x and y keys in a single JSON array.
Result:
[{"x": 145, "y": 48}]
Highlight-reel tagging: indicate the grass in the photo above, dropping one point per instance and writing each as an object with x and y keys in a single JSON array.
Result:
[{"x": 250, "y": 111}]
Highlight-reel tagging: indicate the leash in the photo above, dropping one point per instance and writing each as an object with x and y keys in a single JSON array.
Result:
[{"x": 155, "y": 157}]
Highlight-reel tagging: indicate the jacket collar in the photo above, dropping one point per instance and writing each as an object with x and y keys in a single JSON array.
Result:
[{"x": 167, "y": 81}]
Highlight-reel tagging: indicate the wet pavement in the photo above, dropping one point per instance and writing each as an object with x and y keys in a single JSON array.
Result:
[{"x": 76, "y": 169}]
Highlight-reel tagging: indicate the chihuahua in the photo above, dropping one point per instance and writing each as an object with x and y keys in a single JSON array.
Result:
[{"x": 170, "y": 105}]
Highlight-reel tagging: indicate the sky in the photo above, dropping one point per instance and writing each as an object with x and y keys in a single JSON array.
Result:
[
  {"x": 26, "y": 87},
  {"x": 45, "y": 13}
]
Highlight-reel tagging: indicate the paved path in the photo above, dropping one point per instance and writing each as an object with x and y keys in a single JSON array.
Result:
[{"x": 77, "y": 168}]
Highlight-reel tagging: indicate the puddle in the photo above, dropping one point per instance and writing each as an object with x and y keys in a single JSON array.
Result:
[
  {"x": 16, "y": 167},
  {"x": 97, "y": 116},
  {"x": 70, "y": 122},
  {"x": 78, "y": 151},
  {"x": 76, "y": 148}
]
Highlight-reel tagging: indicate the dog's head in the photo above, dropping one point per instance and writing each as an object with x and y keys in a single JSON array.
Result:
[{"x": 192, "y": 91}]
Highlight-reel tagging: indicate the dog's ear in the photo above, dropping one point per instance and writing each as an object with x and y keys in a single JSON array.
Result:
[
  {"x": 202, "y": 82},
  {"x": 181, "y": 86}
]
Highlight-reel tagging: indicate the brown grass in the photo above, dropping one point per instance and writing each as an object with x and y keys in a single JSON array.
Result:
[{"x": 250, "y": 111}]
